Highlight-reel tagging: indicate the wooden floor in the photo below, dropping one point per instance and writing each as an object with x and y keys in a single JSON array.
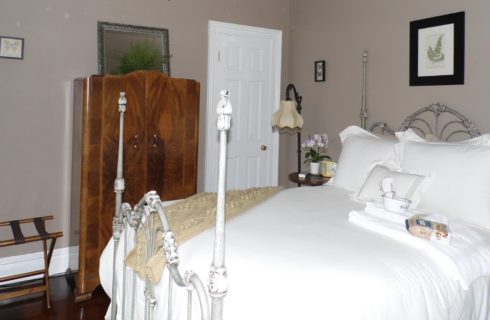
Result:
[{"x": 63, "y": 304}]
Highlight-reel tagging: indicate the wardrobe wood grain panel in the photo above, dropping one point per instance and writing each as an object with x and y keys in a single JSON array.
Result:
[
  {"x": 160, "y": 152},
  {"x": 172, "y": 154}
]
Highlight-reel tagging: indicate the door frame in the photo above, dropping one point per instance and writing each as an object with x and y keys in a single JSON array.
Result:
[{"x": 276, "y": 35}]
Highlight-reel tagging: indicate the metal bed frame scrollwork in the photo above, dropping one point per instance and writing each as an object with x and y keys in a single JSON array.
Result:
[
  {"x": 141, "y": 218},
  {"x": 436, "y": 121}
]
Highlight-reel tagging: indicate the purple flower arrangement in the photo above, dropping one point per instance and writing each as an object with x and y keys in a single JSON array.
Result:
[{"x": 315, "y": 147}]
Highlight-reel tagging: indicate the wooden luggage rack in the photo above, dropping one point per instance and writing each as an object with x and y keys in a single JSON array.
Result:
[{"x": 19, "y": 238}]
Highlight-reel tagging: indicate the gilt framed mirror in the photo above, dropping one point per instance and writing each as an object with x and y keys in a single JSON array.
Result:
[{"x": 124, "y": 48}]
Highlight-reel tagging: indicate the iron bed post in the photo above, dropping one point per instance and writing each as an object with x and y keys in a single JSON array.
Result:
[
  {"x": 117, "y": 222},
  {"x": 218, "y": 285},
  {"x": 364, "y": 114}
]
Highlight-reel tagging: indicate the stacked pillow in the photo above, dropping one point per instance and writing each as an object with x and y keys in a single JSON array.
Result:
[
  {"x": 360, "y": 151},
  {"x": 460, "y": 185},
  {"x": 452, "y": 178}
]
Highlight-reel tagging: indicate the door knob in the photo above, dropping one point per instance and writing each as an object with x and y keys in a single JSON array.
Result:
[{"x": 263, "y": 147}]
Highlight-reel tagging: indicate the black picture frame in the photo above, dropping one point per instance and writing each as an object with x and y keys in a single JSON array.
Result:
[
  {"x": 11, "y": 48},
  {"x": 320, "y": 71},
  {"x": 437, "y": 50}
]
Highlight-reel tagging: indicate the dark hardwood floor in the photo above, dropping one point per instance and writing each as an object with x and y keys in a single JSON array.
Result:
[{"x": 63, "y": 304}]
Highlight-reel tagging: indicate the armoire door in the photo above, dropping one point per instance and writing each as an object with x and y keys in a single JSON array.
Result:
[{"x": 172, "y": 135}]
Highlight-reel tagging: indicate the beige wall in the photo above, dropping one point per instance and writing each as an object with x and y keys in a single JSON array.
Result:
[
  {"x": 61, "y": 45},
  {"x": 338, "y": 30}
]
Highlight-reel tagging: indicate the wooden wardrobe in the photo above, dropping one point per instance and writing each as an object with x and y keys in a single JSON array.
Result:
[{"x": 160, "y": 153}]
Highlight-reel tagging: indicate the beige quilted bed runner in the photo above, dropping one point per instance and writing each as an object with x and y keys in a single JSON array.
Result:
[{"x": 188, "y": 218}]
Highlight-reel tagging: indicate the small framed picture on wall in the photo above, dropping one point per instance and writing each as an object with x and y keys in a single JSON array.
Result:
[
  {"x": 11, "y": 48},
  {"x": 320, "y": 71}
]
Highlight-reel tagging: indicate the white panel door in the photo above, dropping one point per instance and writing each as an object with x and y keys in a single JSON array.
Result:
[{"x": 246, "y": 61}]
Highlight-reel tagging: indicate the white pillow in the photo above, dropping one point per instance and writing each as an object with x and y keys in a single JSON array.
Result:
[
  {"x": 386, "y": 136},
  {"x": 460, "y": 174},
  {"x": 360, "y": 151},
  {"x": 407, "y": 185}
]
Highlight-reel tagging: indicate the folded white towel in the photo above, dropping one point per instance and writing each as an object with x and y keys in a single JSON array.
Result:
[
  {"x": 465, "y": 259},
  {"x": 378, "y": 210}
]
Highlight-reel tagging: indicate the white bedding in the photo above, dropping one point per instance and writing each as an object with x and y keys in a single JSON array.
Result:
[
  {"x": 466, "y": 257},
  {"x": 296, "y": 256}
]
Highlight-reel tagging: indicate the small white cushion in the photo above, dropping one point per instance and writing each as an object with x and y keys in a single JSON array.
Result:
[
  {"x": 460, "y": 174},
  {"x": 360, "y": 151},
  {"x": 407, "y": 185}
]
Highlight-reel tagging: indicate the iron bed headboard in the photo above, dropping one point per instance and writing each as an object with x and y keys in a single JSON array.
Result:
[{"x": 436, "y": 121}]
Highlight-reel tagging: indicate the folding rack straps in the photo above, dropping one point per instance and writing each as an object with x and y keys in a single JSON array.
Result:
[
  {"x": 17, "y": 232},
  {"x": 40, "y": 227},
  {"x": 19, "y": 238}
]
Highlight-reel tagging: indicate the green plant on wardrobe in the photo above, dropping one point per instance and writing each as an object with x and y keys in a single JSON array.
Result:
[{"x": 141, "y": 56}]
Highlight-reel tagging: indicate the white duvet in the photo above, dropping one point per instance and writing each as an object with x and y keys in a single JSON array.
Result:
[
  {"x": 465, "y": 258},
  {"x": 296, "y": 256}
]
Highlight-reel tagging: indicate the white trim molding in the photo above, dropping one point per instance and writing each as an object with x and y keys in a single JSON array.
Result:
[{"x": 61, "y": 260}]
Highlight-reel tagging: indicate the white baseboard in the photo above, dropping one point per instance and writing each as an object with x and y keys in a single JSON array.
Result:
[{"x": 61, "y": 260}]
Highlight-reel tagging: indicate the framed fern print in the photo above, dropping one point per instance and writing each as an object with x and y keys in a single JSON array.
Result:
[{"x": 437, "y": 50}]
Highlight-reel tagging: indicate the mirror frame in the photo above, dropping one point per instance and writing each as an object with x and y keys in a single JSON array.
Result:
[{"x": 103, "y": 26}]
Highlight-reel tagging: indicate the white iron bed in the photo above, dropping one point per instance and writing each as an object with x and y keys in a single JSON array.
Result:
[{"x": 297, "y": 256}]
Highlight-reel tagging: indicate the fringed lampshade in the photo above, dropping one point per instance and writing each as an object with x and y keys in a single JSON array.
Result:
[{"x": 287, "y": 119}]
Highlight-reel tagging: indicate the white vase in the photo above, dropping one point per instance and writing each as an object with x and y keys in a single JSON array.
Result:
[{"x": 314, "y": 168}]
